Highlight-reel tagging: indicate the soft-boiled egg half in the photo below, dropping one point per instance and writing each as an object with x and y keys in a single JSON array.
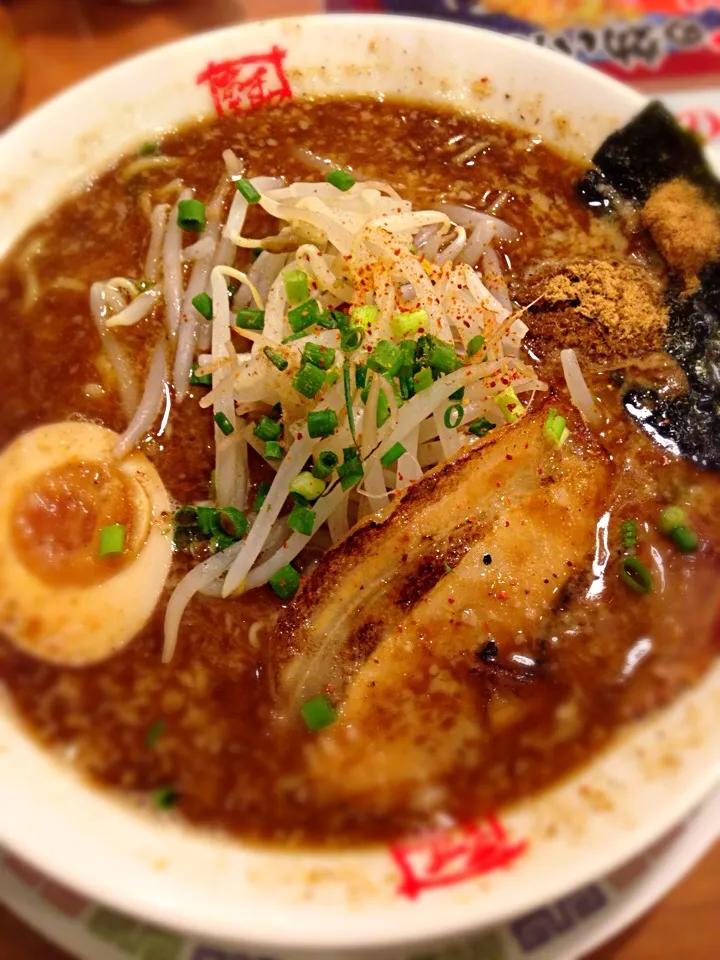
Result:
[{"x": 85, "y": 547}]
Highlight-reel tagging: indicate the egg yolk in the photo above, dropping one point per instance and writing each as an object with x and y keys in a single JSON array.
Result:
[{"x": 58, "y": 519}]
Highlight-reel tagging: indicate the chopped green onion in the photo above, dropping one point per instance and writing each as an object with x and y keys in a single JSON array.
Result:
[
  {"x": 339, "y": 318},
  {"x": 186, "y": 517},
  {"x": 407, "y": 386},
  {"x": 205, "y": 517},
  {"x": 154, "y": 733},
  {"x": 149, "y": 149},
  {"x": 361, "y": 375},
  {"x": 364, "y": 316},
  {"x": 221, "y": 541},
  {"x": 112, "y": 540},
  {"x": 671, "y": 522},
  {"x": 475, "y": 345},
  {"x": 332, "y": 377},
  {"x": 309, "y": 380},
  {"x": 554, "y": 429},
  {"x": 328, "y": 320},
  {"x": 670, "y": 518},
  {"x": 408, "y": 323},
  {"x": 392, "y": 455},
  {"x": 407, "y": 349},
  {"x": 295, "y": 336},
  {"x": 200, "y": 381},
  {"x": 350, "y": 473},
  {"x": 307, "y": 486},
  {"x": 325, "y": 464},
  {"x": 165, "y": 798},
  {"x": 386, "y": 358},
  {"x": 383, "y": 409},
  {"x": 305, "y": 315},
  {"x": 184, "y": 537},
  {"x": 509, "y": 404},
  {"x": 224, "y": 424},
  {"x": 273, "y": 450},
  {"x": 340, "y": 179},
  {"x": 321, "y": 423},
  {"x": 318, "y": 713},
  {"x": 301, "y": 520},
  {"x": 628, "y": 534},
  {"x": 481, "y": 427},
  {"x": 285, "y": 582},
  {"x": 244, "y": 187},
  {"x": 250, "y": 319},
  {"x": 348, "y": 399},
  {"x": 635, "y": 575},
  {"x": 423, "y": 379},
  {"x": 423, "y": 346},
  {"x": 203, "y": 304},
  {"x": 263, "y": 489},
  {"x": 684, "y": 539},
  {"x": 296, "y": 286},
  {"x": 442, "y": 357},
  {"x": 276, "y": 359},
  {"x": 453, "y": 416},
  {"x": 322, "y": 357},
  {"x": 228, "y": 526},
  {"x": 458, "y": 395},
  {"x": 191, "y": 216},
  {"x": 186, "y": 530},
  {"x": 351, "y": 338},
  {"x": 267, "y": 429},
  {"x": 234, "y": 522}
]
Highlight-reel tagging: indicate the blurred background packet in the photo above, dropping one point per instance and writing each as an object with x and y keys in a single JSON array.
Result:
[{"x": 634, "y": 40}]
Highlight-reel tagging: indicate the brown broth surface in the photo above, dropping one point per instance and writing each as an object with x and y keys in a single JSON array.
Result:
[{"x": 615, "y": 657}]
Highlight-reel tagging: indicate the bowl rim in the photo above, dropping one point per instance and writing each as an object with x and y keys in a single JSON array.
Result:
[{"x": 412, "y": 928}]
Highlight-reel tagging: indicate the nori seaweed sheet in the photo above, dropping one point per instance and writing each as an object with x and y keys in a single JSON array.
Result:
[
  {"x": 689, "y": 425},
  {"x": 649, "y": 150}
]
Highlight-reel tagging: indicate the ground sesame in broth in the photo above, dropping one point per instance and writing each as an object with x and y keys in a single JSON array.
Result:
[{"x": 215, "y": 741}]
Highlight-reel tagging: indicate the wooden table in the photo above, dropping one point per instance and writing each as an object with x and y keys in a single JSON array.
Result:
[{"x": 65, "y": 40}]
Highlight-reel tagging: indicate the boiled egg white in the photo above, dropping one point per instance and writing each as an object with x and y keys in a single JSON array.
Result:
[{"x": 60, "y": 599}]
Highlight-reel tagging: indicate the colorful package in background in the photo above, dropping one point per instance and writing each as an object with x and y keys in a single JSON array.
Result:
[{"x": 634, "y": 40}]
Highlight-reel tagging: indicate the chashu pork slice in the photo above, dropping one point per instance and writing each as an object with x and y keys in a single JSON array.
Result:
[{"x": 390, "y": 622}]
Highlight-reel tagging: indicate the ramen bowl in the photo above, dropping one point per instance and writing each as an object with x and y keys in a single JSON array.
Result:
[{"x": 407, "y": 897}]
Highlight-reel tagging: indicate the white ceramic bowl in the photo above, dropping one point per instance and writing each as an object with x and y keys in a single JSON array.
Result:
[{"x": 309, "y": 905}]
